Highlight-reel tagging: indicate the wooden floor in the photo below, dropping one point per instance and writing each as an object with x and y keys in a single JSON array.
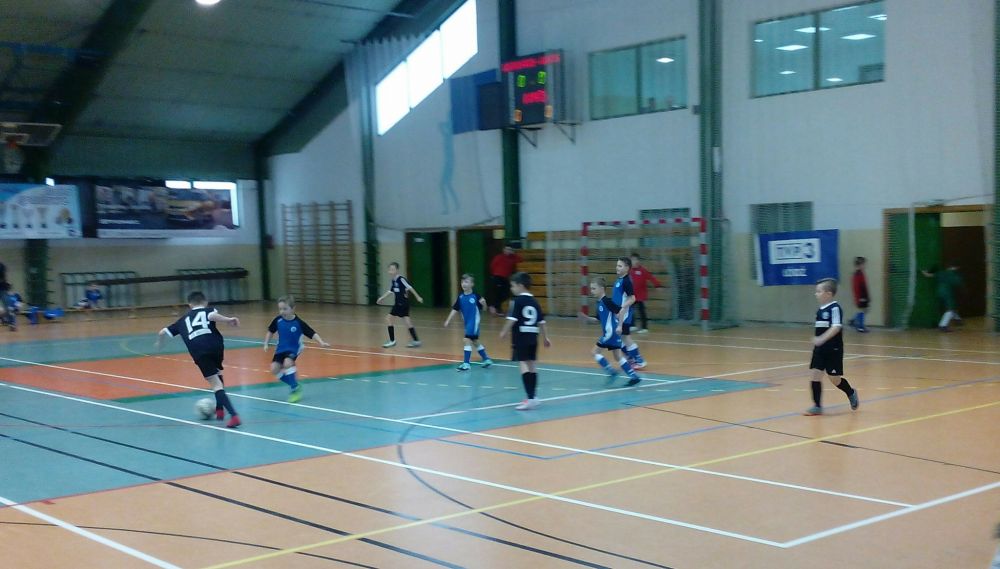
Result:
[{"x": 394, "y": 459}]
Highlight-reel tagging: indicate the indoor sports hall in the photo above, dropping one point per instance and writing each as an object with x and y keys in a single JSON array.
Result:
[{"x": 682, "y": 284}]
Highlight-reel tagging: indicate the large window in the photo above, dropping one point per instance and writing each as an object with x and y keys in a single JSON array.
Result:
[
  {"x": 644, "y": 78},
  {"x": 437, "y": 58},
  {"x": 820, "y": 50}
]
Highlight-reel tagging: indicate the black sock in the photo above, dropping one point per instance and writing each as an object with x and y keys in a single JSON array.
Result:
[
  {"x": 218, "y": 403},
  {"x": 413, "y": 332},
  {"x": 845, "y": 387},
  {"x": 222, "y": 400},
  {"x": 530, "y": 381},
  {"x": 817, "y": 389},
  {"x": 392, "y": 333}
]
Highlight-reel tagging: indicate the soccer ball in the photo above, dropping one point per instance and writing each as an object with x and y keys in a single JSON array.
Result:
[{"x": 205, "y": 408}]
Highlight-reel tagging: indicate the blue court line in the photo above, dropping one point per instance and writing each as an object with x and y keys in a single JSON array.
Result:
[{"x": 714, "y": 427}]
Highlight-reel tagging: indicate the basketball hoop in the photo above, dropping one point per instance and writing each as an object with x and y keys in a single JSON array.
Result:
[{"x": 13, "y": 156}]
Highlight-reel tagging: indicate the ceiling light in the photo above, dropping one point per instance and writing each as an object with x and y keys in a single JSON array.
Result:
[
  {"x": 879, "y": 17},
  {"x": 812, "y": 30},
  {"x": 664, "y": 60},
  {"x": 50, "y": 182},
  {"x": 843, "y": 9},
  {"x": 787, "y": 72},
  {"x": 792, "y": 47},
  {"x": 178, "y": 184},
  {"x": 758, "y": 40},
  {"x": 834, "y": 79},
  {"x": 856, "y": 37},
  {"x": 207, "y": 2}
]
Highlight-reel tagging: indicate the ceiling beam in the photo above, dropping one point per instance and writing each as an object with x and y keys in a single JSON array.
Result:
[{"x": 75, "y": 87}]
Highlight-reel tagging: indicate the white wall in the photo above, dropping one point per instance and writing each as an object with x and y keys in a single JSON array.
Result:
[
  {"x": 617, "y": 166},
  {"x": 923, "y": 133}
]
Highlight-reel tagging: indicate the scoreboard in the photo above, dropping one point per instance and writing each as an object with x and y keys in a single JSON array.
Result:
[{"x": 533, "y": 84}]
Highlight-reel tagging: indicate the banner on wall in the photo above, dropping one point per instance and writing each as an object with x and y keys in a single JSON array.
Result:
[
  {"x": 133, "y": 209},
  {"x": 33, "y": 211},
  {"x": 797, "y": 257}
]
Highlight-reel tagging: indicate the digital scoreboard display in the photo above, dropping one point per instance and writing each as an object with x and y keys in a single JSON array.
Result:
[{"x": 533, "y": 84}]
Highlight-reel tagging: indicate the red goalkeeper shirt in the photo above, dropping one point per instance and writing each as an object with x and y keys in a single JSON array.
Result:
[{"x": 640, "y": 282}]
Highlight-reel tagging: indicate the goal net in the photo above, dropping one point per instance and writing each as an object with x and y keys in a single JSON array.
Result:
[{"x": 672, "y": 250}]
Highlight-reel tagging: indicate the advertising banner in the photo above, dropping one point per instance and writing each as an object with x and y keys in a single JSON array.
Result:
[
  {"x": 34, "y": 211},
  {"x": 797, "y": 257},
  {"x": 140, "y": 210}
]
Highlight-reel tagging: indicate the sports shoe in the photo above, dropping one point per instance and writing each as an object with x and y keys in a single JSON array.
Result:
[
  {"x": 639, "y": 363},
  {"x": 853, "y": 398},
  {"x": 296, "y": 395},
  {"x": 642, "y": 331},
  {"x": 414, "y": 344},
  {"x": 487, "y": 362},
  {"x": 389, "y": 344},
  {"x": 464, "y": 367},
  {"x": 633, "y": 381},
  {"x": 234, "y": 422},
  {"x": 813, "y": 411},
  {"x": 220, "y": 414},
  {"x": 528, "y": 404}
]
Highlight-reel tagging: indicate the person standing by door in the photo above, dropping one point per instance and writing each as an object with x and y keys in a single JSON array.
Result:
[{"x": 502, "y": 266}]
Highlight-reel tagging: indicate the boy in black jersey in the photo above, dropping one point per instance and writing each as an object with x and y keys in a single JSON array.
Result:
[
  {"x": 205, "y": 344},
  {"x": 399, "y": 287},
  {"x": 527, "y": 321},
  {"x": 828, "y": 348}
]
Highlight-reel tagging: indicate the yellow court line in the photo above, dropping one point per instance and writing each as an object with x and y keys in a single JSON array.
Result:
[{"x": 577, "y": 489}]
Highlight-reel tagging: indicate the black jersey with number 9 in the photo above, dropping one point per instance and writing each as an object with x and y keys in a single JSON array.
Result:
[{"x": 527, "y": 315}]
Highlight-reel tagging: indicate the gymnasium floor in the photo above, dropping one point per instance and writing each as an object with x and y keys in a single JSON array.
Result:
[{"x": 394, "y": 459}]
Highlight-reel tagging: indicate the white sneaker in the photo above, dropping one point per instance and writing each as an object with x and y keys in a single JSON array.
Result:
[
  {"x": 642, "y": 331},
  {"x": 464, "y": 367},
  {"x": 414, "y": 344},
  {"x": 528, "y": 404},
  {"x": 389, "y": 344}
]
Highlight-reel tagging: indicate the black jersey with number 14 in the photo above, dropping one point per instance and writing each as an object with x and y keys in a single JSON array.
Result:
[{"x": 198, "y": 332}]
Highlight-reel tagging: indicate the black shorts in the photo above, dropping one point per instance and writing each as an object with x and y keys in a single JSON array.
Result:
[
  {"x": 471, "y": 337},
  {"x": 862, "y": 304},
  {"x": 524, "y": 352},
  {"x": 601, "y": 344},
  {"x": 279, "y": 357},
  {"x": 626, "y": 329},
  {"x": 830, "y": 360},
  {"x": 401, "y": 310},
  {"x": 210, "y": 363}
]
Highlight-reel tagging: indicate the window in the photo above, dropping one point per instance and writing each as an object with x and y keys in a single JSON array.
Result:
[
  {"x": 819, "y": 50},
  {"x": 638, "y": 79},
  {"x": 777, "y": 218},
  {"x": 439, "y": 56},
  {"x": 665, "y": 213}
]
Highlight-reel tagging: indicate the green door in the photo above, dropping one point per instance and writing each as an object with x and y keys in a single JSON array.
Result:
[
  {"x": 927, "y": 230},
  {"x": 420, "y": 263},
  {"x": 472, "y": 245}
]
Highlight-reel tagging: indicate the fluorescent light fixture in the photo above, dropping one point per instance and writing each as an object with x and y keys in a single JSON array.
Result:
[
  {"x": 758, "y": 40},
  {"x": 856, "y": 37},
  {"x": 792, "y": 47},
  {"x": 845, "y": 8},
  {"x": 664, "y": 59},
  {"x": 879, "y": 17},
  {"x": 202, "y": 185},
  {"x": 812, "y": 30},
  {"x": 50, "y": 182},
  {"x": 178, "y": 184},
  {"x": 834, "y": 79},
  {"x": 787, "y": 72},
  {"x": 207, "y": 2}
]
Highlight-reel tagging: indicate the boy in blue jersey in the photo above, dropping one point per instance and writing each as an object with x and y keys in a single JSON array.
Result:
[
  {"x": 290, "y": 330},
  {"x": 607, "y": 317},
  {"x": 623, "y": 295},
  {"x": 469, "y": 304},
  {"x": 92, "y": 297}
]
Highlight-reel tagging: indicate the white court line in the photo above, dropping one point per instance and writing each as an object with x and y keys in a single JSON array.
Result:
[
  {"x": 514, "y": 489},
  {"x": 890, "y": 515},
  {"x": 411, "y": 422},
  {"x": 88, "y": 534}
]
